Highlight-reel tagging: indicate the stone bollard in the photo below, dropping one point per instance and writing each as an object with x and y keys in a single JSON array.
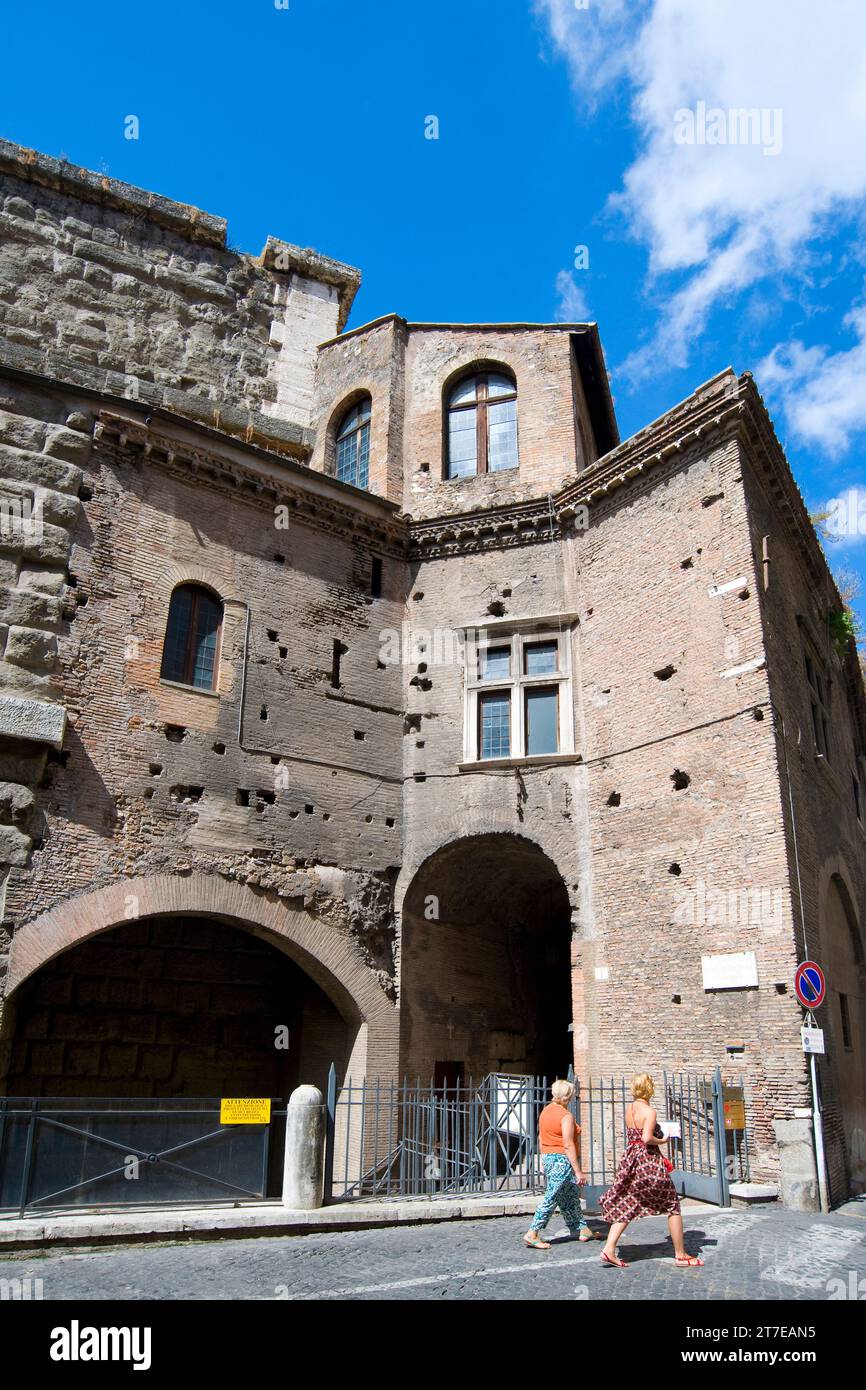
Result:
[
  {"x": 304, "y": 1164},
  {"x": 799, "y": 1176}
]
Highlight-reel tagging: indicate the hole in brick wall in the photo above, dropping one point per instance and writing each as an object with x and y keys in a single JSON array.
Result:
[
  {"x": 380, "y": 665},
  {"x": 368, "y": 819},
  {"x": 272, "y": 636},
  {"x": 242, "y": 797},
  {"x": 424, "y": 468},
  {"x": 81, "y": 600},
  {"x": 744, "y": 595},
  {"x": 293, "y": 815},
  {"x": 758, "y": 714},
  {"x": 85, "y": 494},
  {"x": 175, "y": 733},
  {"x": 259, "y": 808},
  {"x": 376, "y": 576},
  {"x": 338, "y": 651},
  {"x": 676, "y": 999},
  {"x": 711, "y": 498},
  {"x": 781, "y": 987},
  {"x": 420, "y": 776},
  {"x": 687, "y": 564},
  {"x": 422, "y": 682},
  {"x": 279, "y": 559},
  {"x": 680, "y": 779},
  {"x": 506, "y": 593},
  {"x": 148, "y": 793},
  {"x": 155, "y": 769},
  {"x": 412, "y": 724},
  {"x": 219, "y": 748},
  {"x": 420, "y": 742},
  {"x": 360, "y": 735},
  {"x": 675, "y": 870},
  {"x": 263, "y": 713},
  {"x": 496, "y": 609},
  {"x": 416, "y": 598},
  {"x": 180, "y": 793},
  {"x": 422, "y": 667},
  {"x": 72, "y": 580},
  {"x": 284, "y": 651},
  {"x": 389, "y": 821},
  {"x": 665, "y": 673},
  {"x": 589, "y": 612},
  {"x": 614, "y": 799},
  {"x": 267, "y": 797},
  {"x": 61, "y": 758},
  {"x": 326, "y": 815},
  {"x": 308, "y": 810},
  {"x": 275, "y": 761}
]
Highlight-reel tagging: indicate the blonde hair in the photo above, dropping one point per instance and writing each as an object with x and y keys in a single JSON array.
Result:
[
  {"x": 562, "y": 1091},
  {"x": 642, "y": 1086}
]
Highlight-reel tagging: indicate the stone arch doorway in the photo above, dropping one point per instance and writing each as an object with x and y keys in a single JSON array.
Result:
[
  {"x": 485, "y": 962},
  {"x": 845, "y": 1012},
  {"x": 191, "y": 976}
]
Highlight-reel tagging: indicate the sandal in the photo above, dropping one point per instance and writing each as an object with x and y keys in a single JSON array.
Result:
[
  {"x": 607, "y": 1259},
  {"x": 687, "y": 1261},
  {"x": 535, "y": 1242},
  {"x": 588, "y": 1234}
]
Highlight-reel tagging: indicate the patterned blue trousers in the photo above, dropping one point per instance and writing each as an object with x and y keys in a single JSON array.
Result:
[{"x": 562, "y": 1191}]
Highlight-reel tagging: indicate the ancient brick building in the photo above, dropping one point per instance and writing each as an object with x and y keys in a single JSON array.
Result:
[{"x": 365, "y": 683}]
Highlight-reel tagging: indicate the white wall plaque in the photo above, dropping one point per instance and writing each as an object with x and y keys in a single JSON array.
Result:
[{"x": 739, "y": 970}]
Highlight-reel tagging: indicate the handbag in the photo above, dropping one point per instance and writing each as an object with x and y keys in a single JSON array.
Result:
[{"x": 669, "y": 1167}]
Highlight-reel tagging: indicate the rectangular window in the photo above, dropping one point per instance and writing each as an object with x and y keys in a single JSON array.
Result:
[
  {"x": 530, "y": 713},
  {"x": 376, "y": 578},
  {"x": 542, "y": 720},
  {"x": 494, "y": 664},
  {"x": 494, "y": 721},
  {"x": 462, "y": 443},
  {"x": 846, "y": 1020},
  {"x": 820, "y": 706},
  {"x": 539, "y": 658}
]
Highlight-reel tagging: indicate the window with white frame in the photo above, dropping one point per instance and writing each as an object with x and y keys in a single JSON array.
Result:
[{"x": 518, "y": 695}]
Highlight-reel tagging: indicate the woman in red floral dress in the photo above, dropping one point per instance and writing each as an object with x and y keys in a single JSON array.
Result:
[{"x": 642, "y": 1186}]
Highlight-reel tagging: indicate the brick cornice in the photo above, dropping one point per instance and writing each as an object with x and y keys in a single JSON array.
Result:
[{"x": 311, "y": 498}]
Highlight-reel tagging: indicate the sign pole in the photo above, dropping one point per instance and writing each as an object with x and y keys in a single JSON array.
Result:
[
  {"x": 818, "y": 1126},
  {"x": 811, "y": 987}
]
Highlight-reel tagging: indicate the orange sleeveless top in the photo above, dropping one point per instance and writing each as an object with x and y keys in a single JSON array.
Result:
[{"x": 550, "y": 1129}]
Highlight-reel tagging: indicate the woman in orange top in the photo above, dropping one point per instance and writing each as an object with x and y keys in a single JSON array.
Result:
[{"x": 557, "y": 1137}]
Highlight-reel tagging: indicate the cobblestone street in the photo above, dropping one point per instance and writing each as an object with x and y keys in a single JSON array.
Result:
[{"x": 768, "y": 1254}]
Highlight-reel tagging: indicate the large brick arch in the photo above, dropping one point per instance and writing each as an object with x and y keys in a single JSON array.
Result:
[{"x": 324, "y": 954}]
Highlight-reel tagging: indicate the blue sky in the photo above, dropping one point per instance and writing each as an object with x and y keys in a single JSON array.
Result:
[{"x": 557, "y": 129}]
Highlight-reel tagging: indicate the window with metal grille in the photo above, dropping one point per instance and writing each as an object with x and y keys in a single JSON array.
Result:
[
  {"x": 353, "y": 444},
  {"x": 189, "y": 653},
  {"x": 820, "y": 705},
  {"x": 481, "y": 426}
]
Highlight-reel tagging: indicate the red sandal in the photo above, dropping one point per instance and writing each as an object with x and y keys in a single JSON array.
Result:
[
  {"x": 607, "y": 1259},
  {"x": 687, "y": 1261}
]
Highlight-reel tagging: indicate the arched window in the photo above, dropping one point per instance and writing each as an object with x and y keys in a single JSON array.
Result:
[
  {"x": 189, "y": 653},
  {"x": 482, "y": 425},
  {"x": 353, "y": 444}
]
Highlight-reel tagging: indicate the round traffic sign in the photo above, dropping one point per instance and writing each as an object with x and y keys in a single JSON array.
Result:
[{"x": 810, "y": 984}]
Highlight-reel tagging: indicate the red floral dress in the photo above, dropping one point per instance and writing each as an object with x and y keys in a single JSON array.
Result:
[{"x": 642, "y": 1186}]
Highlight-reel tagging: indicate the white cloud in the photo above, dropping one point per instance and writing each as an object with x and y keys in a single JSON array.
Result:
[
  {"x": 719, "y": 218},
  {"x": 821, "y": 392},
  {"x": 573, "y": 306}
]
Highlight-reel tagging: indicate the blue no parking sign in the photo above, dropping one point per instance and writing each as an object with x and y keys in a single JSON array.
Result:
[{"x": 810, "y": 984}]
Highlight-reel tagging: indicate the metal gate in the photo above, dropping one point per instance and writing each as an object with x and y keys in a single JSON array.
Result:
[
  {"x": 62, "y": 1153},
  {"x": 407, "y": 1139}
]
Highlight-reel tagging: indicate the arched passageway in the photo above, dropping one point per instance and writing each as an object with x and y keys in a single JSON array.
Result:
[
  {"x": 485, "y": 973},
  {"x": 845, "y": 1012},
  {"x": 171, "y": 1006}
]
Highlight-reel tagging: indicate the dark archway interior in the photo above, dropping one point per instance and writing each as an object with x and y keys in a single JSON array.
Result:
[
  {"x": 486, "y": 963},
  {"x": 170, "y": 1006}
]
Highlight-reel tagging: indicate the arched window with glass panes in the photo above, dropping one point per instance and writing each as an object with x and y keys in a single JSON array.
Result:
[
  {"x": 481, "y": 425},
  {"x": 192, "y": 634},
  {"x": 353, "y": 444}
]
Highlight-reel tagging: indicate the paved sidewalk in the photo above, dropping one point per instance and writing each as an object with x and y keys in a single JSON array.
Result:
[{"x": 765, "y": 1256}]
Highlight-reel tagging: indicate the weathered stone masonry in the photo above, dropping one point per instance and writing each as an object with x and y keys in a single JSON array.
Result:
[{"x": 170, "y": 411}]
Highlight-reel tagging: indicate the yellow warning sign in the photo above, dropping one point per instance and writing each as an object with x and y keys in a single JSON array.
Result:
[{"x": 245, "y": 1111}]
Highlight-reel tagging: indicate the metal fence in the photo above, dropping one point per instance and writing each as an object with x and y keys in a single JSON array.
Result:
[
  {"x": 71, "y": 1152},
  {"x": 413, "y": 1139}
]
